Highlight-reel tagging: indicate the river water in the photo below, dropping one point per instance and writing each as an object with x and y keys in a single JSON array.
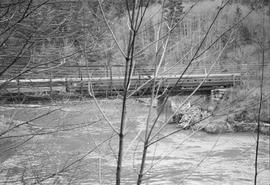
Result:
[{"x": 187, "y": 157}]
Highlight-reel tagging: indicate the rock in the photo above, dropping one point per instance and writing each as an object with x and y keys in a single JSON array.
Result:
[
  {"x": 244, "y": 116},
  {"x": 191, "y": 116},
  {"x": 217, "y": 127},
  {"x": 245, "y": 121},
  {"x": 245, "y": 127},
  {"x": 177, "y": 117},
  {"x": 265, "y": 129},
  {"x": 211, "y": 108},
  {"x": 265, "y": 117}
]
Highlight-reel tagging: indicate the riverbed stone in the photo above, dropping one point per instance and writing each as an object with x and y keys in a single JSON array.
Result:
[{"x": 218, "y": 126}]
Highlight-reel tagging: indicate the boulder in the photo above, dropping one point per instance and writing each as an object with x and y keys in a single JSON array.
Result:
[
  {"x": 265, "y": 128},
  {"x": 191, "y": 116},
  {"x": 245, "y": 127},
  {"x": 218, "y": 126},
  {"x": 215, "y": 125},
  {"x": 177, "y": 117}
]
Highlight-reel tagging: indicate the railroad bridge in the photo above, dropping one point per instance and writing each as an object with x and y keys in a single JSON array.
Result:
[{"x": 78, "y": 79}]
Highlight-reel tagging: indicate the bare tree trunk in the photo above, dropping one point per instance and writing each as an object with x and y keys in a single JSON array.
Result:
[
  {"x": 260, "y": 105},
  {"x": 121, "y": 134},
  {"x": 128, "y": 71},
  {"x": 141, "y": 173}
]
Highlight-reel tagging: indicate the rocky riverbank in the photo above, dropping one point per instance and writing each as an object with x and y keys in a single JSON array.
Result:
[
  {"x": 196, "y": 118},
  {"x": 224, "y": 124},
  {"x": 232, "y": 113}
]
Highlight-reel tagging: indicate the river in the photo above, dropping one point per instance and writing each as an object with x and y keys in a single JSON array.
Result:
[{"x": 187, "y": 157}]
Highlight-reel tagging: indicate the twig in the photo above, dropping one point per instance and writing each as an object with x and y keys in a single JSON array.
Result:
[
  {"x": 260, "y": 107},
  {"x": 91, "y": 93},
  {"x": 114, "y": 37},
  {"x": 194, "y": 91}
]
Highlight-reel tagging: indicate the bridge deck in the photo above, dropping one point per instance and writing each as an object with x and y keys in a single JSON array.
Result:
[{"x": 104, "y": 84}]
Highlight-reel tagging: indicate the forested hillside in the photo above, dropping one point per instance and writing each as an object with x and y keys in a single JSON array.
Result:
[{"x": 58, "y": 34}]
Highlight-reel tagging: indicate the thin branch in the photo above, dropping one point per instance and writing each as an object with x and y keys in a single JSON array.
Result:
[
  {"x": 178, "y": 130},
  {"x": 42, "y": 132},
  {"x": 114, "y": 37},
  {"x": 166, "y": 34},
  {"x": 179, "y": 144},
  {"x": 27, "y": 122},
  {"x": 195, "y": 90},
  {"x": 18, "y": 56},
  {"x": 17, "y": 145},
  {"x": 219, "y": 37},
  {"x": 260, "y": 106},
  {"x": 159, "y": 75},
  {"x": 76, "y": 161},
  {"x": 201, "y": 161},
  {"x": 186, "y": 68},
  {"x": 25, "y": 14},
  {"x": 91, "y": 93}
]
